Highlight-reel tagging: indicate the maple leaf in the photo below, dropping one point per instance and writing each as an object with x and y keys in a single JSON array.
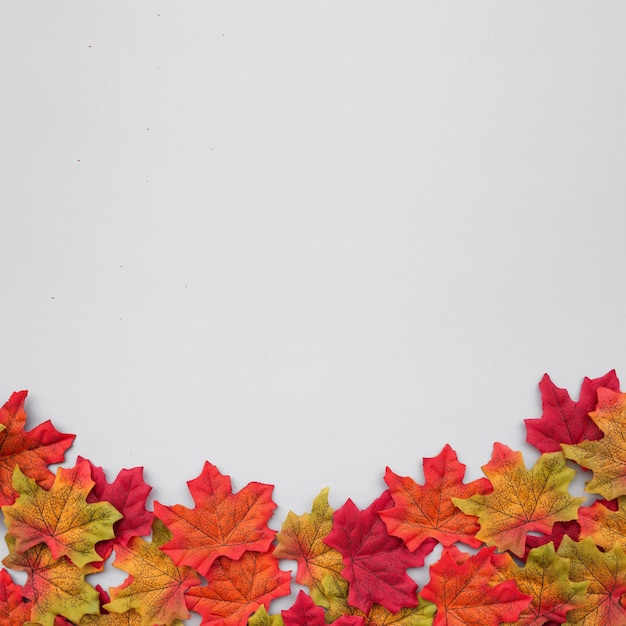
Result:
[
  {"x": 605, "y": 573},
  {"x": 336, "y": 590},
  {"x": 236, "y": 589},
  {"x": 606, "y": 526},
  {"x": 460, "y": 587},
  {"x": 60, "y": 517},
  {"x": 375, "y": 562},
  {"x": 305, "y": 612},
  {"x": 54, "y": 586},
  {"x": 563, "y": 420},
  {"x": 14, "y": 611},
  {"x": 607, "y": 456},
  {"x": 424, "y": 511},
  {"x": 302, "y": 539},
  {"x": 545, "y": 578},
  {"x": 156, "y": 586},
  {"x": 128, "y": 494},
  {"x": 221, "y": 524},
  {"x": 522, "y": 500},
  {"x": 32, "y": 450}
]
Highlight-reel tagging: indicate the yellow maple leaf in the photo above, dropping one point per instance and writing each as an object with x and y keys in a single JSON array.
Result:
[
  {"x": 60, "y": 517},
  {"x": 302, "y": 539},
  {"x": 522, "y": 500},
  {"x": 606, "y": 457}
]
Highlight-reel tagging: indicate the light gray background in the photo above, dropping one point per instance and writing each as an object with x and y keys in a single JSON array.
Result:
[{"x": 306, "y": 241}]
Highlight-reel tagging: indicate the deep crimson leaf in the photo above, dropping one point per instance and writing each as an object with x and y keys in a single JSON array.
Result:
[
  {"x": 128, "y": 494},
  {"x": 570, "y": 529},
  {"x": 33, "y": 451},
  {"x": 221, "y": 524},
  {"x": 460, "y": 587},
  {"x": 566, "y": 421},
  {"x": 375, "y": 562},
  {"x": 303, "y": 611}
]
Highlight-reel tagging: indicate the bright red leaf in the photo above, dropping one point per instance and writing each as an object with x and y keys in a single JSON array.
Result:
[
  {"x": 375, "y": 562},
  {"x": 460, "y": 587},
  {"x": 221, "y": 523},
  {"x": 423, "y": 511},
  {"x": 14, "y": 610},
  {"x": 563, "y": 420},
  {"x": 32, "y": 450},
  {"x": 304, "y": 612}
]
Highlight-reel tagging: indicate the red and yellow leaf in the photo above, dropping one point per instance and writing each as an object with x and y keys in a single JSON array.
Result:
[
  {"x": 375, "y": 562},
  {"x": 236, "y": 589},
  {"x": 605, "y": 525},
  {"x": 54, "y": 586},
  {"x": 302, "y": 539},
  {"x": 60, "y": 517},
  {"x": 607, "y": 456},
  {"x": 605, "y": 573},
  {"x": 221, "y": 523},
  {"x": 460, "y": 586},
  {"x": 545, "y": 578},
  {"x": 522, "y": 500},
  {"x": 427, "y": 511},
  {"x": 32, "y": 450},
  {"x": 156, "y": 586},
  {"x": 563, "y": 420}
]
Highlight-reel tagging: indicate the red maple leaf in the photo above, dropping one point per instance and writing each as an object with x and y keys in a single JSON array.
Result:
[
  {"x": 14, "y": 610},
  {"x": 423, "y": 511},
  {"x": 304, "y": 612},
  {"x": 566, "y": 421},
  {"x": 460, "y": 587},
  {"x": 221, "y": 524},
  {"x": 32, "y": 450},
  {"x": 375, "y": 562},
  {"x": 128, "y": 494}
]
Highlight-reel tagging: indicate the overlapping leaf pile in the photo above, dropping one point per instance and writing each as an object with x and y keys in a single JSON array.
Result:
[{"x": 514, "y": 547}]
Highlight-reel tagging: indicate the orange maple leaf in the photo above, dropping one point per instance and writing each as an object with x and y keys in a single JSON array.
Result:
[
  {"x": 32, "y": 450},
  {"x": 156, "y": 586},
  {"x": 427, "y": 511},
  {"x": 606, "y": 457},
  {"x": 221, "y": 524},
  {"x": 54, "y": 586},
  {"x": 302, "y": 539},
  {"x": 605, "y": 573},
  {"x": 60, "y": 517},
  {"x": 522, "y": 500},
  {"x": 461, "y": 587},
  {"x": 236, "y": 589}
]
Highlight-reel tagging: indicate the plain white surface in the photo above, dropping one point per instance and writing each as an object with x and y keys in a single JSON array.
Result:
[{"x": 306, "y": 241}]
